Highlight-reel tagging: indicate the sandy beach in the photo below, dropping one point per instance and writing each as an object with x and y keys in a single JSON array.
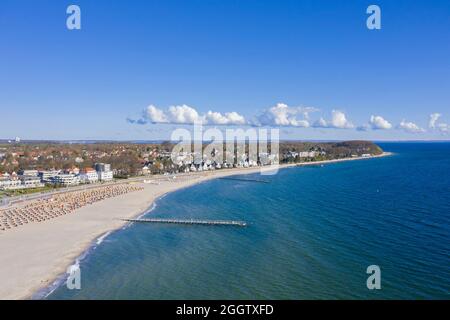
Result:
[{"x": 33, "y": 255}]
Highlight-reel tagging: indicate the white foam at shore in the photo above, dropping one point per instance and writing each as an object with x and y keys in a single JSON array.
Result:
[
  {"x": 62, "y": 279},
  {"x": 103, "y": 237},
  {"x": 153, "y": 206}
]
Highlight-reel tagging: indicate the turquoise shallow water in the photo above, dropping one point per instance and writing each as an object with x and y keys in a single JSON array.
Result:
[{"x": 312, "y": 233}]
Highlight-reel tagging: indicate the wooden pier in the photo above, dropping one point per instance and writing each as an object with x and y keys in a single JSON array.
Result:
[{"x": 192, "y": 221}]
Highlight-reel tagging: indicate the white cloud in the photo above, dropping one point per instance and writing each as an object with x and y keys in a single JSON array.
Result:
[
  {"x": 433, "y": 118},
  {"x": 283, "y": 115},
  {"x": 443, "y": 127},
  {"x": 379, "y": 123},
  {"x": 410, "y": 127},
  {"x": 305, "y": 111},
  {"x": 321, "y": 123},
  {"x": 229, "y": 118},
  {"x": 300, "y": 123},
  {"x": 235, "y": 118},
  {"x": 185, "y": 114},
  {"x": 339, "y": 120},
  {"x": 278, "y": 115},
  {"x": 155, "y": 115}
]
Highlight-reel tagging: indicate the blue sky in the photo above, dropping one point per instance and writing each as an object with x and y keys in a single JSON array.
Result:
[{"x": 249, "y": 57}]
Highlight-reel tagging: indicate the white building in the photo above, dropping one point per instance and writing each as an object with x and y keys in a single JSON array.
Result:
[
  {"x": 31, "y": 182},
  {"x": 47, "y": 176},
  {"x": 252, "y": 163},
  {"x": 33, "y": 173},
  {"x": 23, "y": 183},
  {"x": 99, "y": 167},
  {"x": 293, "y": 154},
  {"x": 89, "y": 175},
  {"x": 10, "y": 184},
  {"x": 104, "y": 171},
  {"x": 182, "y": 158},
  {"x": 105, "y": 175},
  {"x": 66, "y": 179},
  {"x": 145, "y": 170}
]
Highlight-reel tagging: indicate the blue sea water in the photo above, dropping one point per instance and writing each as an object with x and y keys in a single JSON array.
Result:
[{"x": 312, "y": 233}]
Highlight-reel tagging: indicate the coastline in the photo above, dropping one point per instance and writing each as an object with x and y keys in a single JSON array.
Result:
[{"x": 37, "y": 255}]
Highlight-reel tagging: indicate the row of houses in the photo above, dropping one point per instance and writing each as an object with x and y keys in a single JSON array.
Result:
[
  {"x": 39, "y": 178},
  {"x": 20, "y": 183},
  {"x": 217, "y": 160},
  {"x": 302, "y": 154}
]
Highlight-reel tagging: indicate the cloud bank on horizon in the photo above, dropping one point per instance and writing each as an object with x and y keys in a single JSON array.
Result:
[
  {"x": 280, "y": 115},
  {"x": 185, "y": 114}
]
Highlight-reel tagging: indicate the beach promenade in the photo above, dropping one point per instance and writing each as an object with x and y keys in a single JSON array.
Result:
[{"x": 34, "y": 254}]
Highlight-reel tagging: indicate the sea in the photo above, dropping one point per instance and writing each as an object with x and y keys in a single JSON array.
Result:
[{"x": 312, "y": 233}]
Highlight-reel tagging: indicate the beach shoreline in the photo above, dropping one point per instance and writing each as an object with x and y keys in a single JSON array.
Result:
[{"x": 57, "y": 243}]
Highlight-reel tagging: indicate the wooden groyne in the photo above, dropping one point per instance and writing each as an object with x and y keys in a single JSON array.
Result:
[
  {"x": 245, "y": 180},
  {"x": 191, "y": 221}
]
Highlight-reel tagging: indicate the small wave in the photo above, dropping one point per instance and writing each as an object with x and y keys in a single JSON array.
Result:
[
  {"x": 48, "y": 290},
  {"x": 101, "y": 238},
  {"x": 153, "y": 206},
  {"x": 45, "y": 292}
]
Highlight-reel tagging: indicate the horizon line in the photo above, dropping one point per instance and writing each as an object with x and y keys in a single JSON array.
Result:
[{"x": 11, "y": 141}]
